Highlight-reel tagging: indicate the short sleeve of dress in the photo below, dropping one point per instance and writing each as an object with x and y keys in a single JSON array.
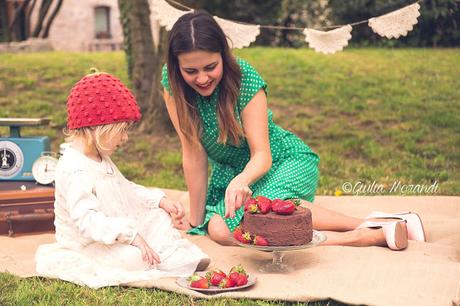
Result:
[
  {"x": 164, "y": 79},
  {"x": 251, "y": 83}
]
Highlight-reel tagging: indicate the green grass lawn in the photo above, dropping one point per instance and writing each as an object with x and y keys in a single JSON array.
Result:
[
  {"x": 41, "y": 291},
  {"x": 373, "y": 115}
]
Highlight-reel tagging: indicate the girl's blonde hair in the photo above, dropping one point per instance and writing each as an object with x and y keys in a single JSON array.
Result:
[{"x": 95, "y": 135}]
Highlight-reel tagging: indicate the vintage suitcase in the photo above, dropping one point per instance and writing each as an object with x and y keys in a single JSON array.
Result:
[{"x": 26, "y": 207}]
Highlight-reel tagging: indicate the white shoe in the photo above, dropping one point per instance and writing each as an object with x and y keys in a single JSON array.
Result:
[{"x": 415, "y": 228}]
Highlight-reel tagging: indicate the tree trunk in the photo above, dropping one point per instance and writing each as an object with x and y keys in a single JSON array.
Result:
[
  {"x": 144, "y": 63},
  {"x": 44, "y": 7},
  {"x": 30, "y": 9},
  {"x": 157, "y": 115},
  {"x": 53, "y": 15},
  {"x": 20, "y": 27},
  {"x": 16, "y": 29},
  {"x": 4, "y": 33}
]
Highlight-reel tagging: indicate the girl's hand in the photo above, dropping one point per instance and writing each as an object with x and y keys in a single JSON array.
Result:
[
  {"x": 181, "y": 224},
  {"x": 177, "y": 213},
  {"x": 174, "y": 208},
  {"x": 148, "y": 254},
  {"x": 236, "y": 194}
]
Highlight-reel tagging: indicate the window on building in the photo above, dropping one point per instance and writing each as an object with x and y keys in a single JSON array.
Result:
[{"x": 102, "y": 26}]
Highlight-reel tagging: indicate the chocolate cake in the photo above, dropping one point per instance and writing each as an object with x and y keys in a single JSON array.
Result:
[{"x": 281, "y": 230}]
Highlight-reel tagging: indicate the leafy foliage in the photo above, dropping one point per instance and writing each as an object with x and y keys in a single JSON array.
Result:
[{"x": 438, "y": 23}]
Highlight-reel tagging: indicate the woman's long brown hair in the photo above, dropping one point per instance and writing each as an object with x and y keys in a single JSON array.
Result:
[{"x": 199, "y": 31}]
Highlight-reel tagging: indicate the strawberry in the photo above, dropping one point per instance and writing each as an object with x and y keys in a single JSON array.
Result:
[
  {"x": 241, "y": 236},
  {"x": 216, "y": 279},
  {"x": 234, "y": 276},
  {"x": 215, "y": 276},
  {"x": 253, "y": 208},
  {"x": 241, "y": 280},
  {"x": 238, "y": 234},
  {"x": 197, "y": 281},
  {"x": 261, "y": 241},
  {"x": 296, "y": 202},
  {"x": 248, "y": 202},
  {"x": 246, "y": 238},
  {"x": 283, "y": 207},
  {"x": 238, "y": 268},
  {"x": 264, "y": 204},
  {"x": 226, "y": 283}
]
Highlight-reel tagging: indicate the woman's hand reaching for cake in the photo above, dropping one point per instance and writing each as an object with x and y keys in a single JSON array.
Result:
[{"x": 236, "y": 194}]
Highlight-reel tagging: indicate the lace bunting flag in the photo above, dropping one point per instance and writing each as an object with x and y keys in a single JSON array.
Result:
[
  {"x": 397, "y": 23},
  {"x": 166, "y": 14},
  {"x": 330, "y": 41},
  {"x": 238, "y": 35}
]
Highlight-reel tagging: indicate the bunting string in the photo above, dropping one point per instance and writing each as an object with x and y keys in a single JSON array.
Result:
[{"x": 239, "y": 34}]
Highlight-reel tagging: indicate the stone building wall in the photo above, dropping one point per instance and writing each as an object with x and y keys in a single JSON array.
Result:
[{"x": 74, "y": 27}]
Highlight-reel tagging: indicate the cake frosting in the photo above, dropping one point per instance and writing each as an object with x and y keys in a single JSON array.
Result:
[{"x": 281, "y": 230}]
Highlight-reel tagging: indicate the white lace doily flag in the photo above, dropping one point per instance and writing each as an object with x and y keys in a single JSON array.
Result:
[
  {"x": 397, "y": 23},
  {"x": 238, "y": 35},
  {"x": 330, "y": 41},
  {"x": 166, "y": 14}
]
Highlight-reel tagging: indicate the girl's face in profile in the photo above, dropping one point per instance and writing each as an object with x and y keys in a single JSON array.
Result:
[
  {"x": 113, "y": 140},
  {"x": 201, "y": 70}
]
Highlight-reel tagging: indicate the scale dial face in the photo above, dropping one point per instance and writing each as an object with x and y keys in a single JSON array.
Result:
[
  {"x": 44, "y": 169},
  {"x": 11, "y": 159}
]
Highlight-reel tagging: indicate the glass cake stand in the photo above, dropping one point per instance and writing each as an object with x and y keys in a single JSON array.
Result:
[{"x": 277, "y": 265}]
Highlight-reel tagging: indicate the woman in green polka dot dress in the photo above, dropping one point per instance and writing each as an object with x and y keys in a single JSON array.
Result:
[{"x": 218, "y": 106}]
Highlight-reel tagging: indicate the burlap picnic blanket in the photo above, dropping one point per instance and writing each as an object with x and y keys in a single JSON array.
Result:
[{"x": 423, "y": 274}]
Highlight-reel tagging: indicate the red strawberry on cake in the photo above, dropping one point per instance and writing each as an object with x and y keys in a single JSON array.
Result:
[
  {"x": 260, "y": 241},
  {"x": 283, "y": 207},
  {"x": 286, "y": 224},
  {"x": 264, "y": 204}
]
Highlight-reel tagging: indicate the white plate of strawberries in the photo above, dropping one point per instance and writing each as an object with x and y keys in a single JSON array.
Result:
[{"x": 216, "y": 280}]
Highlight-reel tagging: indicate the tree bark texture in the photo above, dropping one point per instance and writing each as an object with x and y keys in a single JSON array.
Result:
[
  {"x": 144, "y": 63},
  {"x": 19, "y": 27}
]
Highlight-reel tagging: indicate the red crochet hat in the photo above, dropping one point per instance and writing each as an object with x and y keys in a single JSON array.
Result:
[{"x": 100, "y": 98}]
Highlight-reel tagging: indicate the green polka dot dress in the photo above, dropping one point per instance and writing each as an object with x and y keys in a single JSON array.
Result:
[{"x": 294, "y": 173}]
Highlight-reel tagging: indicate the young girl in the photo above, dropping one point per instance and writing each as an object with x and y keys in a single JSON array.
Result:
[
  {"x": 109, "y": 231},
  {"x": 218, "y": 106}
]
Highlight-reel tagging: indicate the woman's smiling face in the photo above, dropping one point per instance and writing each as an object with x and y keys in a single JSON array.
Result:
[{"x": 201, "y": 70}]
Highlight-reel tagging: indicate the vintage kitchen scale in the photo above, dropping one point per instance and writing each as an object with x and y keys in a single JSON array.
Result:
[{"x": 26, "y": 179}]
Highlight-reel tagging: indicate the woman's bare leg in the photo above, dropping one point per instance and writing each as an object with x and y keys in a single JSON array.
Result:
[
  {"x": 328, "y": 220},
  {"x": 219, "y": 232},
  {"x": 358, "y": 238}
]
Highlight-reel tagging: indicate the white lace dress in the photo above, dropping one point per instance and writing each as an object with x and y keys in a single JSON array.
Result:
[{"x": 98, "y": 212}]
